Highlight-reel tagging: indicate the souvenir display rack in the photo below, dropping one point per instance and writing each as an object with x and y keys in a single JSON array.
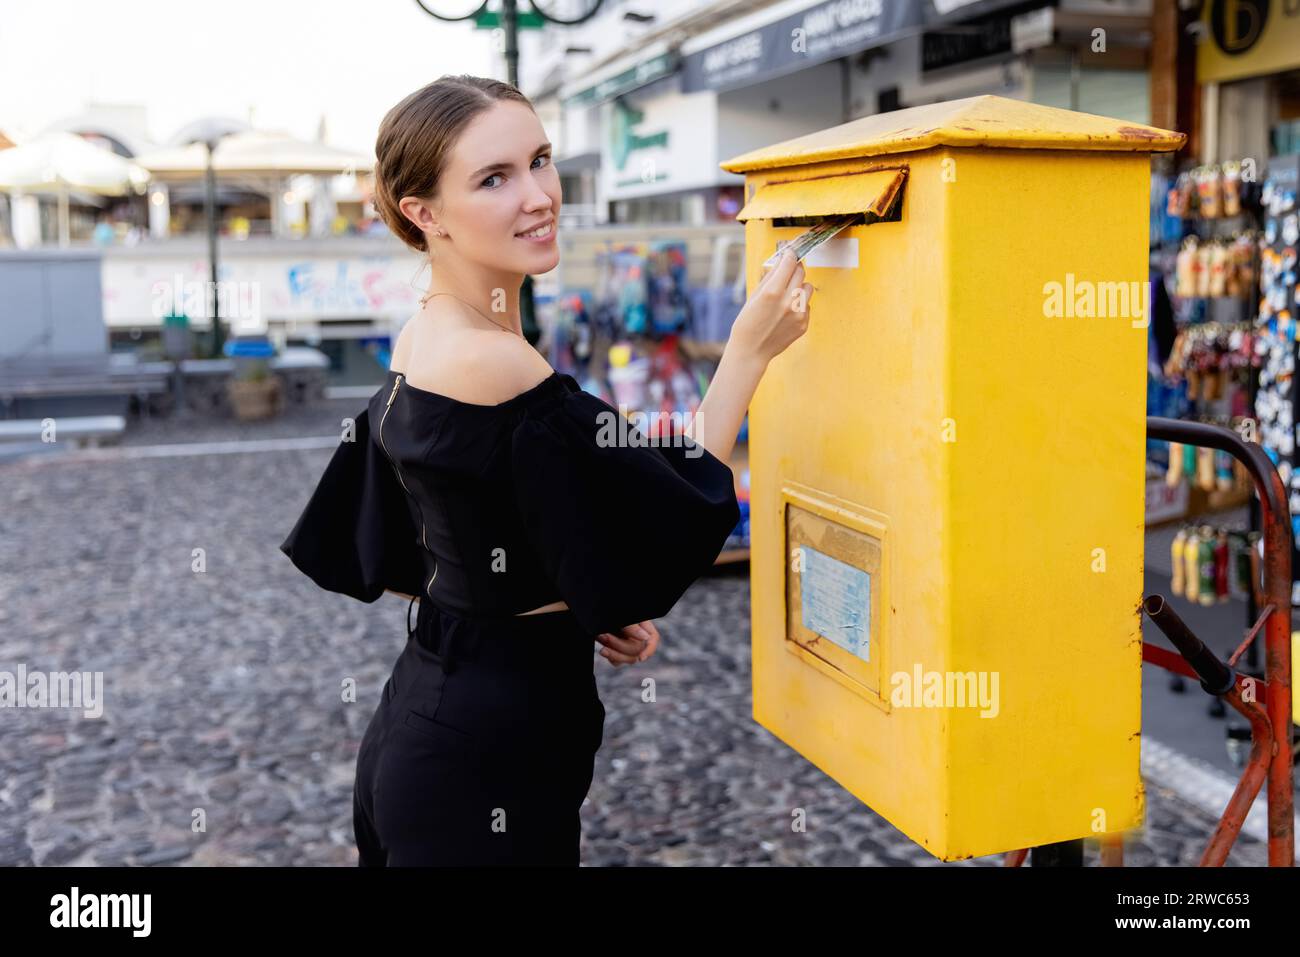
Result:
[
  {"x": 1275, "y": 402},
  {"x": 1224, "y": 241},
  {"x": 1204, "y": 273},
  {"x": 648, "y": 344}
]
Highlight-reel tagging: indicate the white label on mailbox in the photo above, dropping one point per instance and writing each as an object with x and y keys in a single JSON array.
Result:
[
  {"x": 836, "y": 600},
  {"x": 838, "y": 253}
]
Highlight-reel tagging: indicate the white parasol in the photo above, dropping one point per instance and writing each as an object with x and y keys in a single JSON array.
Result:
[
  {"x": 258, "y": 160},
  {"x": 60, "y": 163}
]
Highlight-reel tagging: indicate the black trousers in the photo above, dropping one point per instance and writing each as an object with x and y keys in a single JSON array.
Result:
[{"x": 482, "y": 748}]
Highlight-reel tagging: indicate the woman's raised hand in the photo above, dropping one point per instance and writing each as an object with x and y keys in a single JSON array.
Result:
[{"x": 776, "y": 314}]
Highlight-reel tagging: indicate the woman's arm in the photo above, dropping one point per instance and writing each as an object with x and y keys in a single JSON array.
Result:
[
  {"x": 775, "y": 316},
  {"x": 717, "y": 420}
]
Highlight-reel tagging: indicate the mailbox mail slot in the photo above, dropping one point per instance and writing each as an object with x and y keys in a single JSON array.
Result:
[
  {"x": 873, "y": 194},
  {"x": 947, "y": 475},
  {"x": 794, "y": 205}
]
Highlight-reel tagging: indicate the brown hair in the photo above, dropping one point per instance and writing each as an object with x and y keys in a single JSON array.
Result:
[{"x": 416, "y": 137}]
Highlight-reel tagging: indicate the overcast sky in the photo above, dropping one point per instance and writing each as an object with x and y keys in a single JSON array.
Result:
[{"x": 291, "y": 60}]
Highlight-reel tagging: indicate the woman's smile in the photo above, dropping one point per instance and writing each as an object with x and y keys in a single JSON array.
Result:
[{"x": 542, "y": 234}]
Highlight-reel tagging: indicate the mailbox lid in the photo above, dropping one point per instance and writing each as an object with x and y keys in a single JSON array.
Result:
[
  {"x": 872, "y": 192},
  {"x": 989, "y": 121}
]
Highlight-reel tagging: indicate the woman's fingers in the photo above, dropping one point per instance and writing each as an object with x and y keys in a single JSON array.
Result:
[
  {"x": 633, "y": 643},
  {"x": 783, "y": 268},
  {"x": 616, "y": 659},
  {"x": 796, "y": 282},
  {"x": 802, "y": 296},
  {"x": 652, "y": 645},
  {"x": 626, "y": 646},
  {"x": 620, "y": 651}
]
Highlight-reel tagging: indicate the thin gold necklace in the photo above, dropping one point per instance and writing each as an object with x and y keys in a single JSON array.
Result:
[{"x": 425, "y": 298}]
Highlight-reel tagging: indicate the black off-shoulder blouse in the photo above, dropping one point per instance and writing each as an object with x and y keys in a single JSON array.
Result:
[{"x": 492, "y": 510}]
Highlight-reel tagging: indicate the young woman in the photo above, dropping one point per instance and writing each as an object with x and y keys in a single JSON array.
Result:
[{"x": 483, "y": 484}]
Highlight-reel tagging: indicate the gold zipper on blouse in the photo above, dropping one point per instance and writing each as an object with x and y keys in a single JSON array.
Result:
[{"x": 391, "y": 396}]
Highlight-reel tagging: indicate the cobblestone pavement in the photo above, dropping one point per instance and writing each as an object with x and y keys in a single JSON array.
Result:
[
  {"x": 224, "y": 739},
  {"x": 318, "y": 418}
]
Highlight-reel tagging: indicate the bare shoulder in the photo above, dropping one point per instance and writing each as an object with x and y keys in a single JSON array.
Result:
[{"x": 479, "y": 366}]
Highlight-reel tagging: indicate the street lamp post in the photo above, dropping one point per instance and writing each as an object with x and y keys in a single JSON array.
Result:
[
  {"x": 511, "y": 21},
  {"x": 212, "y": 304}
]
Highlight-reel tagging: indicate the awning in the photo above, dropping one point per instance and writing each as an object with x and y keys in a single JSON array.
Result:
[
  {"x": 654, "y": 67},
  {"x": 254, "y": 153},
  {"x": 752, "y": 51}
]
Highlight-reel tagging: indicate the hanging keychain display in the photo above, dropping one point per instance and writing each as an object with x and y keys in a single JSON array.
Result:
[
  {"x": 1212, "y": 563},
  {"x": 1275, "y": 398}
]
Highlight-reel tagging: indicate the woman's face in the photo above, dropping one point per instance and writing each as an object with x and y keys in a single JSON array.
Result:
[{"x": 500, "y": 182}]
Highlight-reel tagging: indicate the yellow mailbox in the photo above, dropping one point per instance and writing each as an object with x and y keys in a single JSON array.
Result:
[{"x": 947, "y": 470}]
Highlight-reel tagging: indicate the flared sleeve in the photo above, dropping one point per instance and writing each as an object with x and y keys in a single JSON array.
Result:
[
  {"x": 356, "y": 534},
  {"x": 621, "y": 526}
]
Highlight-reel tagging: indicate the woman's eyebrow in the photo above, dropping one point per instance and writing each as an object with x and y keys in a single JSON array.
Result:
[{"x": 496, "y": 166}]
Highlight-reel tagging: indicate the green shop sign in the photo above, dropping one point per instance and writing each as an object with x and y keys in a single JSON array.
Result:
[
  {"x": 623, "y": 140},
  {"x": 653, "y": 69}
]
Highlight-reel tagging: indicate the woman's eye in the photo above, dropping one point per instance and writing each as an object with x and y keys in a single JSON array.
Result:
[{"x": 544, "y": 156}]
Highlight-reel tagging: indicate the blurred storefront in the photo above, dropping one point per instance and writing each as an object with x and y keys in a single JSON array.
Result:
[
  {"x": 665, "y": 114},
  {"x": 1225, "y": 232},
  {"x": 1248, "y": 66}
]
